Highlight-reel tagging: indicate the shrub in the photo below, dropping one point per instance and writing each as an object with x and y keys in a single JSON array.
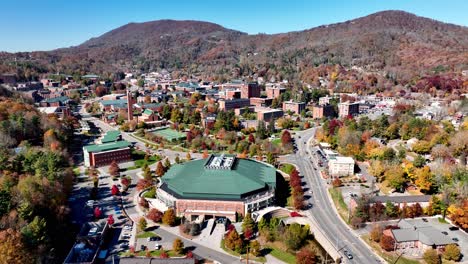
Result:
[
  {"x": 178, "y": 246},
  {"x": 305, "y": 256},
  {"x": 387, "y": 243},
  {"x": 431, "y": 257},
  {"x": 169, "y": 217},
  {"x": 452, "y": 252},
  {"x": 155, "y": 215}
]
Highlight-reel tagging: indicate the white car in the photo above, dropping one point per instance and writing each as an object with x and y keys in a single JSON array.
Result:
[
  {"x": 127, "y": 227},
  {"x": 157, "y": 246}
]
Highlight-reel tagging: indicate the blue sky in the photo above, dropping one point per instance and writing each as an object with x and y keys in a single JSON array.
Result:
[{"x": 27, "y": 25}]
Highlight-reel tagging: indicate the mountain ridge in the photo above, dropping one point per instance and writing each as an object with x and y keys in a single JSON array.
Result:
[{"x": 391, "y": 40}]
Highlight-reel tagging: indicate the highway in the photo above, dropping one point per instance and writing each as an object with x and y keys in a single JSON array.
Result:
[{"x": 322, "y": 211}]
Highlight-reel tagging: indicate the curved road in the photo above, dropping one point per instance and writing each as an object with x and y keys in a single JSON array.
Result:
[{"x": 322, "y": 211}]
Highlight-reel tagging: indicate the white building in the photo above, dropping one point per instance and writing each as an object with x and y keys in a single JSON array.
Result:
[{"x": 341, "y": 166}]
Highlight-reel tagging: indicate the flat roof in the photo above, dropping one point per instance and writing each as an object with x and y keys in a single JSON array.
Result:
[{"x": 107, "y": 146}]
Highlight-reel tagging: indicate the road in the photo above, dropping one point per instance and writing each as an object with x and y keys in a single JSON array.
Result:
[{"x": 322, "y": 210}]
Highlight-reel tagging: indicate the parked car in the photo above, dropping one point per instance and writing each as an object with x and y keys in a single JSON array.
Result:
[
  {"x": 455, "y": 239},
  {"x": 425, "y": 220},
  {"x": 154, "y": 238},
  {"x": 157, "y": 246},
  {"x": 445, "y": 233},
  {"x": 453, "y": 228},
  {"x": 127, "y": 227}
]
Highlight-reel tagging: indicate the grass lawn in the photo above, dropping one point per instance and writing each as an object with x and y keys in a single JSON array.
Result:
[
  {"x": 234, "y": 253},
  {"x": 442, "y": 220},
  {"x": 146, "y": 234},
  {"x": 282, "y": 255},
  {"x": 139, "y": 157},
  {"x": 286, "y": 168},
  {"x": 276, "y": 142},
  {"x": 390, "y": 257},
  {"x": 340, "y": 205}
]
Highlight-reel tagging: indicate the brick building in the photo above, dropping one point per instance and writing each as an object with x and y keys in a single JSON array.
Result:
[
  {"x": 258, "y": 101},
  {"x": 321, "y": 111},
  {"x": 294, "y": 106},
  {"x": 268, "y": 114},
  {"x": 103, "y": 154},
  {"x": 250, "y": 90},
  {"x": 226, "y": 105},
  {"x": 348, "y": 109},
  {"x": 274, "y": 92},
  {"x": 219, "y": 186}
]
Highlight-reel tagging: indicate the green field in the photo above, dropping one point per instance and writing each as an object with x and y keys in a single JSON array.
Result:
[
  {"x": 282, "y": 255},
  {"x": 286, "y": 168},
  {"x": 170, "y": 134}
]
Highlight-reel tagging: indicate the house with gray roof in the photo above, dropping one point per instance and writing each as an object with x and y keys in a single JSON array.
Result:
[{"x": 422, "y": 236}]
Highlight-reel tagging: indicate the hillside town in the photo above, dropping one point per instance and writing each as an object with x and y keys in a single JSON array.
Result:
[
  {"x": 177, "y": 161},
  {"x": 227, "y": 132}
]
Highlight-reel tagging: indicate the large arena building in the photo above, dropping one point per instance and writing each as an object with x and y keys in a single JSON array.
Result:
[{"x": 219, "y": 186}]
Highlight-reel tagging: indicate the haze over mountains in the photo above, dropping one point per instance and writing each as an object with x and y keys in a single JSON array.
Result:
[{"x": 394, "y": 41}]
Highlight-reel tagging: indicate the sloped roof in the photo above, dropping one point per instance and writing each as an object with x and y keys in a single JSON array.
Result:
[
  {"x": 113, "y": 102},
  {"x": 194, "y": 180},
  {"x": 111, "y": 136}
]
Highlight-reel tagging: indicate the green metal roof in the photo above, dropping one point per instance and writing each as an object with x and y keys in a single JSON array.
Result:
[
  {"x": 193, "y": 180},
  {"x": 111, "y": 136},
  {"x": 107, "y": 146},
  {"x": 148, "y": 112}
]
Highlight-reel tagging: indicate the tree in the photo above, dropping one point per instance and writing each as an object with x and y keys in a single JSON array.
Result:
[
  {"x": 270, "y": 158},
  {"x": 164, "y": 255},
  {"x": 110, "y": 220},
  {"x": 12, "y": 249},
  {"x": 114, "y": 190},
  {"x": 295, "y": 236},
  {"x": 167, "y": 163},
  {"x": 126, "y": 181},
  {"x": 248, "y": 223},
  {"x": 35, "y": 232},
  {"x": 143, "y": 184},
  {"x": 233, "y": 241},
  {"x": 188, "y": 156},
  {"x": 155, "y": 215},
  {"x": 452, "y": 252},
  {"x": 169, "y": 217},
  {"x": 255, "y": 248},
  {"x": 189, "y": 255},
  {"x": 336, "y": 182},
  {"x": 395, "y": 176},
  {"x": 114, "y": 169},
  {"x": 177, "y": 159},
  {"x": 143, "y": 202},
  {"x": 305, "y": 256},
  {"x": 286, "y": 138},
  {"x": 147, "y": 175},
  {"x": 376, "y": 233},
  {"x": 178, "y": 246},
  {"x": 431, "y": 257},
  {"x": 97, "y": 213},
  {"x": 205, "y": 154},
  {"x": 387, "y": 243},
  {"x": 419, "y": 161},
  {"x": 160, "y": 170},
  {"x": 142, "y": 224},
  {"x": 424, "y": 179},
  {"x": 390, "y": 209}
]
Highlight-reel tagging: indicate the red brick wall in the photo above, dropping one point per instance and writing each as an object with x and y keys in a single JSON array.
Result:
[{"x": 105, "y": 158}]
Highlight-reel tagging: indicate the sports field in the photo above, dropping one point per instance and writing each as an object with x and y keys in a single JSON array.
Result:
[{"x": 170, "y": 134}]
